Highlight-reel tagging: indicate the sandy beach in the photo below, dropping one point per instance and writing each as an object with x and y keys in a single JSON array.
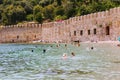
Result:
[{"x": 116, "y": 42}]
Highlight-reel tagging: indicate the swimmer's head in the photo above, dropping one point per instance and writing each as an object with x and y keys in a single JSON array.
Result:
[
  {"x": 64, "y": 55},
  {"x": 73, "y": 54},
  {"x": 91, "y": 47}
]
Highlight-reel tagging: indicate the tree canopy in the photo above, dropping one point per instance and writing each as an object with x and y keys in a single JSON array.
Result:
[{"x": 15, "y": 11}]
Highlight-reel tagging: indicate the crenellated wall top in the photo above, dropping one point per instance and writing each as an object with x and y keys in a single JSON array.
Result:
[
  {"x": 93, "y": 16},
  {"x": 72, "y": 20}
]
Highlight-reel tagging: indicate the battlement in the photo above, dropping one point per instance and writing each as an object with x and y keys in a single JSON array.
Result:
[
  {"x": 74, "y": 28},
  {"x": 103, "y": 14}
]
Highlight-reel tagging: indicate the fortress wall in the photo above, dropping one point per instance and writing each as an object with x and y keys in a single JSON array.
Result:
[
  {"x": 21, "y": 33},
  {"x": 44, "y": 31},
  {"x": 94, "y": 20},
  {"x": 67, "y": 33},
  {"x": 114, "y": 23},
  {"x": 91, "y": 27},
  {"x": 33, "y": 32},
  {"x": 8, "y": 34},
  {"x": 48, "y": 32},
  {"x": 60, "y": 29}
]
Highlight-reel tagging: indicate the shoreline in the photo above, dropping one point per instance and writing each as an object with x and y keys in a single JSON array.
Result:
[
  {"x": 116, "y": 42},
  {"x": 37, "y": 42}
]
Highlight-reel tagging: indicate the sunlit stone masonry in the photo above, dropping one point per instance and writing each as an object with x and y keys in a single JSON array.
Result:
[{"x": 101, "y": 26}]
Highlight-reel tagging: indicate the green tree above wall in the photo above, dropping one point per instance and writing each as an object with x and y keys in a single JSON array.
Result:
[{"x": 15, "y": 11}]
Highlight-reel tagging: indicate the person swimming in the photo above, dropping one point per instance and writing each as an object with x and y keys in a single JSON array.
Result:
[
  {"x": 92, "y": 48},
  {"x": 65, "y": 45},
  {"x": 32, "y": 50},
  {"x": 64, "y": 56},
  {"x": 73, "y": 54},
  {"x": 44, "y": 50}
]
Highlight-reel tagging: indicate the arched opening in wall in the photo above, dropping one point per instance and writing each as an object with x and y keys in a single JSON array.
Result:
[
  {"x": 94, "y": 31},
  {"x": 17, "y": 37},
  {"x": 81, "y": 32},
  {"x": 88, "y": 32},
  {"x": 74, "y": 33},
  {"x": 107, "y": 30}
]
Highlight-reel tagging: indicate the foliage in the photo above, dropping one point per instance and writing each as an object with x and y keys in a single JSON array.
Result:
[
  {"x": 15, "y": 11},
  {"x": 59, "y": 17},
  {"x": 29, "y": 17},
  {"x": 38, "y": 17},
  {"x": 59, "y": 11},
  {"x": 49, "y": 12}
]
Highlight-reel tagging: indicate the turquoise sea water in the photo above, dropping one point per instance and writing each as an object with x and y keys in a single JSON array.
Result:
[{"x": 28, "y": 62}]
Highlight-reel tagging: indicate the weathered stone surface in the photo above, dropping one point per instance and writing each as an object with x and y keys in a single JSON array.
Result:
[{"x": 101, "y": 26}]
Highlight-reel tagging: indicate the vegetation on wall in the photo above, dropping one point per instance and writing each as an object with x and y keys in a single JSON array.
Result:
[{"x": 15, "y": 11}]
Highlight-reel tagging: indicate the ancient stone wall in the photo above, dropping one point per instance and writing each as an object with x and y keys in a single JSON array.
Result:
[
  {"x": 20, "y": 33},
  {"x": 99, "y": 26}
]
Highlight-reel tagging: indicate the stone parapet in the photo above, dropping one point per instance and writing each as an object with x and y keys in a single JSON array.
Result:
[{"x": 95, "y": 26}]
